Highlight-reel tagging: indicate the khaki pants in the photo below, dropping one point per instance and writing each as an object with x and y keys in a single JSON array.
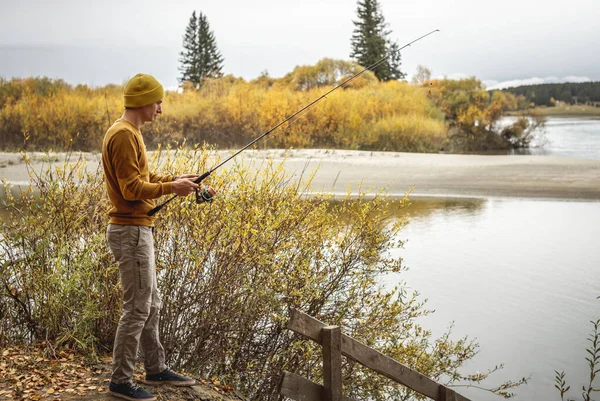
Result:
[{"x": 133, "y": 247}]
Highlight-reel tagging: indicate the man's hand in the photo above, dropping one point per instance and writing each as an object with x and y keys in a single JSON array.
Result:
[{"x": 184, "y": 186}]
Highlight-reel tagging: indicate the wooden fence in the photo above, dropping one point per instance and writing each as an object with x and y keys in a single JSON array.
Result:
[{"x": 335, "y": 344}]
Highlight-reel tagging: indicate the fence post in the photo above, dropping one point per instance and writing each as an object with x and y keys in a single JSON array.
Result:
[{"x": 331, "y": 340}]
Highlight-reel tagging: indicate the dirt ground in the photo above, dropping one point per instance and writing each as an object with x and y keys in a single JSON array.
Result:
[{"x": 34, "y": 373}]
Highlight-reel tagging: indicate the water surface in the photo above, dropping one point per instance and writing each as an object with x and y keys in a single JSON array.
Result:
[{"x": 519, "y": 275}]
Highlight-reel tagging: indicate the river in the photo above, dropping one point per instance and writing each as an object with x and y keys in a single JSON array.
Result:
[{"x": 519, "y": 275}]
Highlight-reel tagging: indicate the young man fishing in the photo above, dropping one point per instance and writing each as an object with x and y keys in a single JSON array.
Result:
[{"x": 132, "y": 189}]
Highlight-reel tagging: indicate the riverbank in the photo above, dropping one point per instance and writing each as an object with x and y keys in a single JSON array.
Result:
[
  {"x": 564, "y": 110},
  {"x": 340, "y": 171}
]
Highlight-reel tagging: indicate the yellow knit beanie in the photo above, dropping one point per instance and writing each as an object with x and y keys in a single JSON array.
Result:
[{"x": 142, "y": 90}]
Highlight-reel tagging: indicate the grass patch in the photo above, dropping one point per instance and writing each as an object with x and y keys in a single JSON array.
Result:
[{"x": 578, "y": 110}]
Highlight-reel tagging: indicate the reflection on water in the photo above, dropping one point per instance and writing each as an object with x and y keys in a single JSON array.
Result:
[
  {"x": 420, "y": 207},
  {"x": 519, "y": 275}
]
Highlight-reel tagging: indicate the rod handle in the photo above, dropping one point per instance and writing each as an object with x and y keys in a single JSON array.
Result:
[{"x": 202, "y": 177}]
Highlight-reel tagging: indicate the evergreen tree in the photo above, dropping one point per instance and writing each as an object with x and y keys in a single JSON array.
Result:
[
  {"x": 370, "y": 42},
  {"x": 394, "y": 61},
  {"x": 200, "y": 58},
  {"x": 189, "y": 56}
]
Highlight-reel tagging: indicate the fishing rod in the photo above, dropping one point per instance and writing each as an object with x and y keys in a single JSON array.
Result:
[{"x": 207, "y": 195}]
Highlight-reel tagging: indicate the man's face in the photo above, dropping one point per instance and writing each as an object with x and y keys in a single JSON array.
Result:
[{"x": 150, "y": 111}]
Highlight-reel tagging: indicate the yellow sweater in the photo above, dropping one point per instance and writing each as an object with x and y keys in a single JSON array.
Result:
[{"x": 131, "y": 187}]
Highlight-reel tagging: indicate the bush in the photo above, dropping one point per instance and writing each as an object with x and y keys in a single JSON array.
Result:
[
  {"x": 472, "y": 114},
  {"x": 228, "y": 112},
  {"x": 227, "y": 271},
  {"x": 525, "y": 130}
]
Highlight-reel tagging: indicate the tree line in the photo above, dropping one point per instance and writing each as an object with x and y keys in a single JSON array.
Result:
[
  {"x": 200, "y": 58},
  {"x": 550, "y": 94},
  {"x": 367, "y": 114},
  {"x": 43, "y": 114}
]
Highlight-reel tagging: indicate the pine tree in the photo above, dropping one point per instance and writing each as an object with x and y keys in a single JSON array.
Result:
[
  {"x": 189, "y": 55},
  {"x": 200, "y": 58},
  {"x": 370, "y": 42},
  {"x": 394, "y": 61}
]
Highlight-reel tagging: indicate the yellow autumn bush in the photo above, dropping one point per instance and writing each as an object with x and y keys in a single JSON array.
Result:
[
  {"x": 228, "y": 113},
  {"x": 472, "y": 113},
  {"x": 227, "y": 271}
]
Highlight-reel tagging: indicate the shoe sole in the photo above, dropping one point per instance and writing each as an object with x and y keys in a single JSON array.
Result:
[
  {"x": 172, "y": 383},
  {"x": 125, "y": 397}
]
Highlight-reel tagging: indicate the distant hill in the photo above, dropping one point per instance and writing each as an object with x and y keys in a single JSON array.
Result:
[{"x": 542, "y": 95}]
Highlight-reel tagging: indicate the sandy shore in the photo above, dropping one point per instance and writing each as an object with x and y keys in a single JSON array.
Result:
[{"x": 429, "y": 174}]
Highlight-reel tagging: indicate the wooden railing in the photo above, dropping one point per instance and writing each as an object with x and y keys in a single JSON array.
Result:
[{"x": 335, "y": 344}]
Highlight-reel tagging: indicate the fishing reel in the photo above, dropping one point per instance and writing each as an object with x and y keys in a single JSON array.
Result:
[{"x": 205, "y": 194}]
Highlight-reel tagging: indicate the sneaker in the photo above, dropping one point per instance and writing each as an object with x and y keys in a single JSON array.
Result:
[
  {"x": 130, "y": 391},
  {"x": 169, "y": 377}
]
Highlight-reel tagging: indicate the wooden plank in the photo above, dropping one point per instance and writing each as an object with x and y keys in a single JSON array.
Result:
[
  {"x": 389, "y": 367},
  {"x": 306, "y": 325},
  {"x": 458, "y": 397},
  {"x": 461, "y": 398},
  {"x": 310, "y": 327},
  {"x": 331, "y": 338},
  {"x": 442, "y": 394},
  {"x": 300, "y": 389},
  {"x": 446, "y": 394}
]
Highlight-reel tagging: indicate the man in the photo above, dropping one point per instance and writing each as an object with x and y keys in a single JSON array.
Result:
[{"x": 132, "y": 190}]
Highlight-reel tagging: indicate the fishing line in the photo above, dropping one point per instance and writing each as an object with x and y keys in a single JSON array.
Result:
[{"x": 369, "y": 68}]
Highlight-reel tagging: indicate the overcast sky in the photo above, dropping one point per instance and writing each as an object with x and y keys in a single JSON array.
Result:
[{"x": 106, "y": 41}]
